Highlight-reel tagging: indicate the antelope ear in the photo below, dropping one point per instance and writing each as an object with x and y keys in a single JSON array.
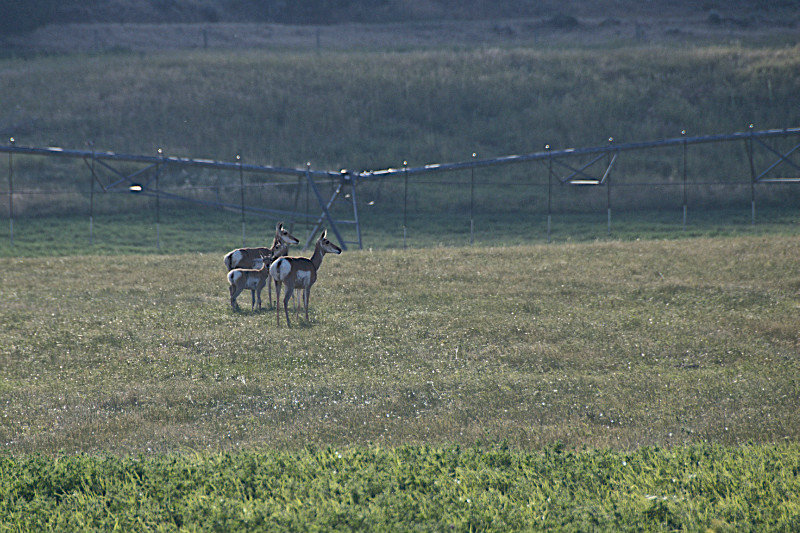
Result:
[
  {"x": 324, "y": 234},
  {"x": 278, "y": 226}
]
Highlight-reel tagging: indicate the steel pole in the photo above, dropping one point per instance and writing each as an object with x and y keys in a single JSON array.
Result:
[
  {"x": 405, "y": 201},
  {"x": 549, "y": 189},
  {"x": 472, "y": 203},
  {"x": 241, "y": 190},
  {"x": 749, "y": 143},
  {"x": 11, "y": 194},
  {"x": 353, "y": 185},
  {"x": 308, "y": 191},
  {"x": 158, "y": 203},
  {"x": 608, "y": 188},
  {"x": 91, "y": 202},
  {"x": 683, "y": 134}
]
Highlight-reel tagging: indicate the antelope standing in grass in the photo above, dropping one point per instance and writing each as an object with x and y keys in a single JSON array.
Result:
[
  {"x": 248, "y": 278},
  {"x": 252, "y": 258},
  {"x": 299, "y": 273}
]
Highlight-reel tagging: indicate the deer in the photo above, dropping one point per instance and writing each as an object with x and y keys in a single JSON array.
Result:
[
  {"x": 251, "y": 258},
  {"x": 248, "y": 278},
  {"x": 299, "y": 273}
]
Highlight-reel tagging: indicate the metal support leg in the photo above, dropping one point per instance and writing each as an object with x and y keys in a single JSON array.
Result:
[{"x": 325, "y": 212}]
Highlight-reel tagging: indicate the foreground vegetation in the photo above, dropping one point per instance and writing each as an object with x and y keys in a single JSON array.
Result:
[
  {"x": 700, "y": 487},
  {"x": 637, "y": 385}
]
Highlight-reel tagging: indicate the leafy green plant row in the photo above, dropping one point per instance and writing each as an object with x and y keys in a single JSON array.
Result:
[{"x": 487, "y": 488}]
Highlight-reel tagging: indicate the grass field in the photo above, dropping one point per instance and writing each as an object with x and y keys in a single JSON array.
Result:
[
  {"x": 616, "y": 344},
  {"x": 642, "y": 380},
  {"x": 657, "y": 350}
]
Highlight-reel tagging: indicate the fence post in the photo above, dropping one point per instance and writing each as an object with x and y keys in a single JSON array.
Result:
[
  {"x": 309, "y": 224},
  {"x": 472, "y": 201},
  {"x": 549, "y": 188},
  {"x": 405, "y": 201},
  {"x": 158, "y": 198},
  {"x": 91, "y": 199},
  {"x": 11, "y": 193},
  {"x": 752, "y": 176},
  {"x": 241, "y": 190},
  {"x": 683, "y": 134},
  {"x": 608, "y": 188}
]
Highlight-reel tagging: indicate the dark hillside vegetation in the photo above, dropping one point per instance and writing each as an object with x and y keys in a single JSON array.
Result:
[
  {"x": 367, "y": 110},
  {"x": 21, "y": 17}
]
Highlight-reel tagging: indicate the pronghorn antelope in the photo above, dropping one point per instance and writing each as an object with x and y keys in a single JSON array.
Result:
[
  {"x": 252, "y": 258},
  {"x": 299, "y": 273},
  {"x": 248, "y": 278}
]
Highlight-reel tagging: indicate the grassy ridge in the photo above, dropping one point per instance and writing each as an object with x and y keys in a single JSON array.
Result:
[
  {"x": 409, "y": 487},
  {"x": 371, "y": 110}
]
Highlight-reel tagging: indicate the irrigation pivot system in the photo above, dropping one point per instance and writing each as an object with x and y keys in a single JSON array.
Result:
[{"x": 591, "y": 166}]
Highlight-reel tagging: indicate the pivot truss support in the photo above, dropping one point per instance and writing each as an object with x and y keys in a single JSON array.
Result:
[
  {"x": 344, "y": 191},
  {"x": 579, "y": 175},
  {"x": 784, "y": 159}
]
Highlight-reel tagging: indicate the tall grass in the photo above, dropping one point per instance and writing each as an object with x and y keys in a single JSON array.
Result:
[{"x": 374, "y": 109}]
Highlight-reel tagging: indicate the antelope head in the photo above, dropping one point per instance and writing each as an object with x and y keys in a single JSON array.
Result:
[
  {"x": 284, "y": 236},
  {"x": 327, "y": 246}
]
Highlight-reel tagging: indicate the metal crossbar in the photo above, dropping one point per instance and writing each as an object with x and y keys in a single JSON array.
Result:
[
  {"x": 163, "y": 160},
  {"x": 573, "y": 152}
]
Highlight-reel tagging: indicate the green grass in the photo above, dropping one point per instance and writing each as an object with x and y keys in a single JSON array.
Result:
[
  {"x": 607, "y": 366},
  {"x": 656, "y": 360},
  {"x": 618, "y": 344},
  {"x": 421, "y": 488},
  {"x": 368, "y": 110},
  {"x": 185, "y": 230}
]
